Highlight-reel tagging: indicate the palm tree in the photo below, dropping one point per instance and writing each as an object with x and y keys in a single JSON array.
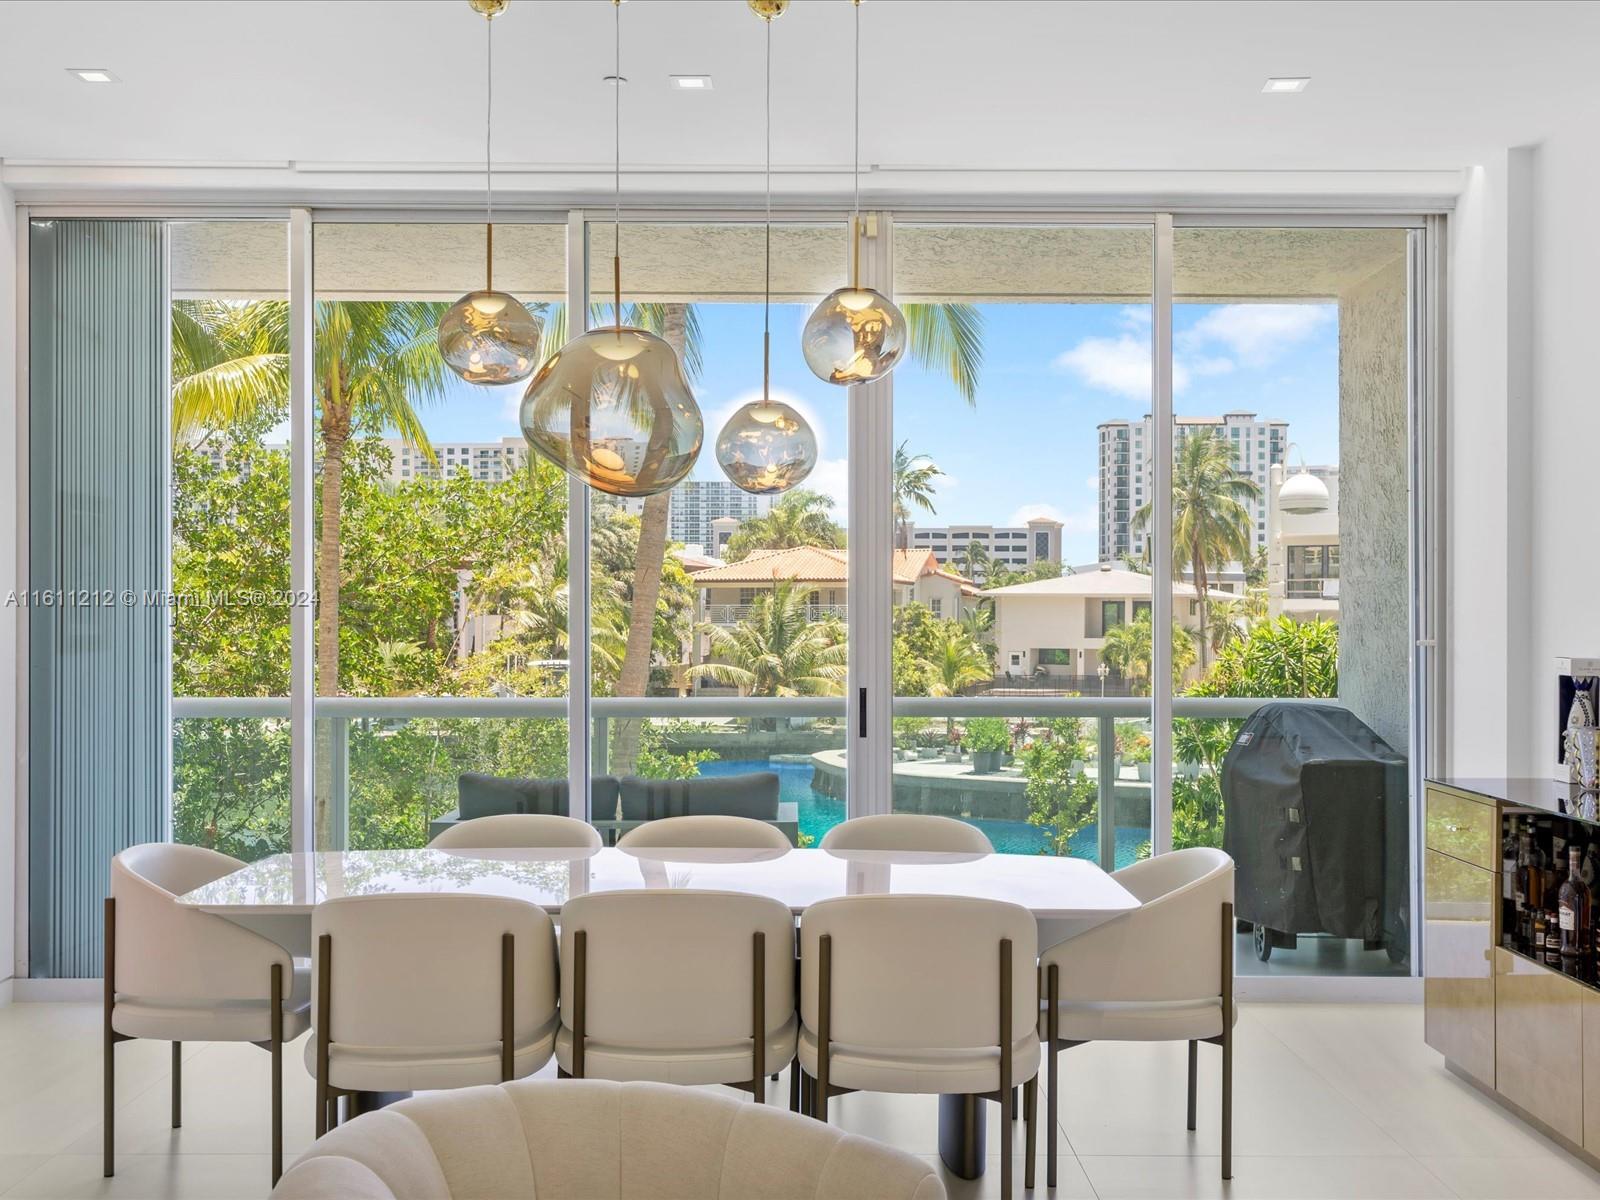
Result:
[
  {"x": 913, "y": 486},
  {"x": 955, "y": 661},
  {"x": 777, "y": 650},
  {"x": 1232, "y": 617},
  {"x": 1211, "y": 522},
  {"x": 801, "y": 518},
  {"x": 973, "y": 560},
  {"x": 1127, "y": 650}
]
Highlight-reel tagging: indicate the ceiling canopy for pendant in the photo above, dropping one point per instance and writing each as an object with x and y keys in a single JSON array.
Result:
[
  {"x": 856, "y": 334},
  {"x": 489, "y": 337},
  {"x": 767, "y": 446},
  {"x": 612, "y": 407}
]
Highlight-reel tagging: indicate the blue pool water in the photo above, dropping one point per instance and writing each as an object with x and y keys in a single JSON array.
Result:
[{"x": 819, "y": 813}]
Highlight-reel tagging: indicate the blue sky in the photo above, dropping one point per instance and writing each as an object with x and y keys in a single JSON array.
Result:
[{"x": 1052, "y": 373}]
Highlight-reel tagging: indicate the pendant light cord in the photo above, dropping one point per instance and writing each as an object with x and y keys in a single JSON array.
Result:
[
  {"x": 855, "y": 171},
  {"x": 616, "y": 199},
  {"x": 488, "y": 151},
  {"x": 766, "y": 310}
]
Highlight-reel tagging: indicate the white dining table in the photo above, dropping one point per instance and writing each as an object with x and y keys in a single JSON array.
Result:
[{"x": 276, "y": 897}]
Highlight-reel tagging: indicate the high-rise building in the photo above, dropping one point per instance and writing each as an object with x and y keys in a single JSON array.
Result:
[
  {"x": 487, "y": 462},
  {"x": 1127, "y": 471},
  {"x": 1010, "y": 546},
  {"x": 695, "y": 503}
]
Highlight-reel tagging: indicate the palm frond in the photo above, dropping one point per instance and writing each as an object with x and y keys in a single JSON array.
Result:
[{"x": 948, "y": 337}]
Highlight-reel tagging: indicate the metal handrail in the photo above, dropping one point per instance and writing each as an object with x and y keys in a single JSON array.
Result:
[{"x": 555, "y": 707}]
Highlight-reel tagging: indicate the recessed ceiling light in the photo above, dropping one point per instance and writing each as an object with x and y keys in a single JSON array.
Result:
[
  {"x": 1286, "y": 83},
  {"x": 92, "y": 74},
  {"x": 691, "y": 83}
]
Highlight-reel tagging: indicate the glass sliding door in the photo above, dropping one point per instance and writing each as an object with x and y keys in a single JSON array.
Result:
[
  {"x": 1021, "y": 704},
  {"x": 1291, "y": 582},
  {"x": 717, "y": 620},
  {"x": 442, "y": 624},
  {"x": 229, "y": 536}
]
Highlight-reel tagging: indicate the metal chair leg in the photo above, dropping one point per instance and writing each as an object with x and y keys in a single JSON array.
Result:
[
  {"x": 177, "y": 1085},
  {"x": 1227, "y": 1040},
  {"x": 1007, "y": 1094},
  {"x": 819, "y": 1088},
  {"x": 1194, "y": 1056},
  {"x": 109, "y": 1081},
  {"x": 1052, "y": 1025},
  {"x": 794, "y": 1086},
  {"x": 276, "y": 1026},
  {"x": 1030, "y": 1114}
]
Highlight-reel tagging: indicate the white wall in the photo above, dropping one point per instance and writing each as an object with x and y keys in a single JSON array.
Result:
[{"x": 9, "y": 461}]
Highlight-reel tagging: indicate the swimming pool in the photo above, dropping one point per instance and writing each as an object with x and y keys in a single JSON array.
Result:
[{"x": 819, "y": 813}]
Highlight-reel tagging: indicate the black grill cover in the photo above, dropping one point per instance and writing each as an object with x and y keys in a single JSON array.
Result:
[{"x": 1316, "y": 823}]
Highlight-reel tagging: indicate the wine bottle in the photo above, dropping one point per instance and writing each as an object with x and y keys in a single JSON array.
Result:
[
  {"x": 1539, "y": 933},
  {"x": 1552, "y": 939},
  {"x": 1575, "y": 915}
]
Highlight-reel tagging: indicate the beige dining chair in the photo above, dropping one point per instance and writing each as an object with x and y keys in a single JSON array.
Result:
[
  {"x": 177, "y": 975},
  {"x": 1163, "y": 972},
  {"x": 680, "y": 986},
  {"x": 907, "y": 831},
  {"x": 921, "y": 995},
  {"x": 705, "y": 832},
  {"x": 541, "y": 831},
  {"x": 420, "y": 992}
]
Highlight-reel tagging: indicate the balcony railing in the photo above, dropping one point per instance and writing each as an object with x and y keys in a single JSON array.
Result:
[
  {"x": 336, "y": 715},
  {"x": 1311, "y": 589},
  {"x": 732, "y": 614}
]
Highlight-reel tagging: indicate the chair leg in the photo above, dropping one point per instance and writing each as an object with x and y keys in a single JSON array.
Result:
[
  {"x": 1007, "y": 1092},
  {"x": 276, "y": 1029},
  {"x": 177, "y": 1085},
  {"x": 794, "y": 1086},
  {"x": 819, "y": 1088},
  {"x": 1052, "y": 1024},
  {"x": 1194, "y": 1055},
  {"x": 109, "y": 1081},
  {"x": 1030, "y": 1114},
  {"x": 1227, "y": 1039}
]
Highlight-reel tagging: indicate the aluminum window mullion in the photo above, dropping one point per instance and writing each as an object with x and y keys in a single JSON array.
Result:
[
  {"x": 302, "y": 536},
  {"x": 870, "y": 590},
  {"x": 1161, "y": 552},
  {"x": 579, "y": 684}
]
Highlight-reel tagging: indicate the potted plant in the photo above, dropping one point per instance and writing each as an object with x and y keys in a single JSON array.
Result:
[
  {"x": 929, "y": 742},
  {"x": 988, "y": 739},
  {"x": 1137, "y": 755}
]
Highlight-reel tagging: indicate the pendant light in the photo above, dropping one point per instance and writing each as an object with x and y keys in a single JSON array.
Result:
[
  {"x": 857, "y": 334},
  {"x": 488, "y": 337},
  {"x": 767, "y": 446},
  {"x": 612, "y": 407}
]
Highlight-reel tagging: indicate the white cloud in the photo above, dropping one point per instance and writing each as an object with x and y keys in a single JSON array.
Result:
[
  {"x": 1120, "y": 365},
  {"x": 1259, "y": 333},
  {"x": 831, "y": 477},
  {"x": 1092, "y": 483}
]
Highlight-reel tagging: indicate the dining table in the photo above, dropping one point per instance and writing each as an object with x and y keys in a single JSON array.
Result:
[{"x": 275, "y": 896}]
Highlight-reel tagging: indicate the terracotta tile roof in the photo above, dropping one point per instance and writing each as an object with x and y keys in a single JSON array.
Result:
[{"x": 816, "y": 564}]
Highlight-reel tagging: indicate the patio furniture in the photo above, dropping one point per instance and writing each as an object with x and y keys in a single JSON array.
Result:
[
  {"x": 480, "y": 795},
  {"x": 1163, "y": 972},
  {"x": 518, "y": 829},
  {"x": 920, "y": 995},
  {"x": 174, "y": 973},
  {"x": 427, "y": 992},
  {"x": 575, "y": 1139},
  {"x": 907, "y": 831}
]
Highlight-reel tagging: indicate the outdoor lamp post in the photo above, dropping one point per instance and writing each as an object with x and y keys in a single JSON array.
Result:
[{"x": 1102, "y": 670}]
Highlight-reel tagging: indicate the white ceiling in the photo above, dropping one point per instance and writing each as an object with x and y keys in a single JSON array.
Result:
[{"x": 950, "y": 86}]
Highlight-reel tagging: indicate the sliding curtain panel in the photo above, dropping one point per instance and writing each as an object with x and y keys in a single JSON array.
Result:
[{"x": 97, "y": 674}]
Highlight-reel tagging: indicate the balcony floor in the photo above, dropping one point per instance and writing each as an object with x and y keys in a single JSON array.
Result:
[{"x": 1331, "y": 1101}]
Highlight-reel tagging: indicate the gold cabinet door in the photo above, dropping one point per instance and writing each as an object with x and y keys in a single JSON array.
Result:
[
  {"x": 1458, "y": 992},
  {"x": 1461, "y": 827},
  {"x": 1538, "y": 1042}
]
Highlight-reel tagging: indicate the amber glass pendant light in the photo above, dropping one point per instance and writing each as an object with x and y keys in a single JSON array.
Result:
[
  {"x": 857, "y": 334},
  {"x": 612, "y": 407},
  {"x": 488, "y": 337},
  {"x": 767, "y": 446}
]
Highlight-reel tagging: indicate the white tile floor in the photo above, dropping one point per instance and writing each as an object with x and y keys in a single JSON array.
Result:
[{"x": 1332, "y": 1101}]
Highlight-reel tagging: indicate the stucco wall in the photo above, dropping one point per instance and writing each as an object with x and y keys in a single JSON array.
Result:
[{"x": 1374, "y": 570}]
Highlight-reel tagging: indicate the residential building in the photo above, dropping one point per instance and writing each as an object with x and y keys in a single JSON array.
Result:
[
  {"x": 696, "y": 504},
  {"x": 1303, "y": 551},
  {"x": 487, "y": 462},
  {"x": 1013, "y": 546},
  {"x": 1053, "y": 630},
  {"x": 1127, "y": 471}
]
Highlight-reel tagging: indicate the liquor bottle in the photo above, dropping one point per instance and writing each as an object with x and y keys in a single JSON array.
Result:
[
  {"x": 1536, "y": 950},
  {"x": 1508, "y": 867},
  {"x": 1520, "y": 879},
  {"x": 1536, "y": 865},
  {"x": 1552, "y": 940},
  {"x": 1575, "y": 916}
]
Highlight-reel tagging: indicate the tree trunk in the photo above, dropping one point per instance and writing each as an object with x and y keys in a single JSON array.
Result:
[
  {"x": 334, "y": 434},
  {"x": 634, "y": 677}
]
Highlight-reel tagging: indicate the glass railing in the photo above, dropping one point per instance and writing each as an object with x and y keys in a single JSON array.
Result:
[{"x": 1065, "y": 775}]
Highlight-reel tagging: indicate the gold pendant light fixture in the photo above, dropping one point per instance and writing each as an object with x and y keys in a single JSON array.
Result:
[
  {"x": 767, "y": 446},
  {"x": 612, "y": 407},
  {"x": 857, "y": 334},
  {"x": 488, "y": 337}
]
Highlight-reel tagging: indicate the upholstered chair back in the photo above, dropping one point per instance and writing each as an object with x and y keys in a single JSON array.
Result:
[
  {"x": 907, "y": 831},
  {"x": 514, "y": 830},
  {"x": 704, "y": 831}
]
